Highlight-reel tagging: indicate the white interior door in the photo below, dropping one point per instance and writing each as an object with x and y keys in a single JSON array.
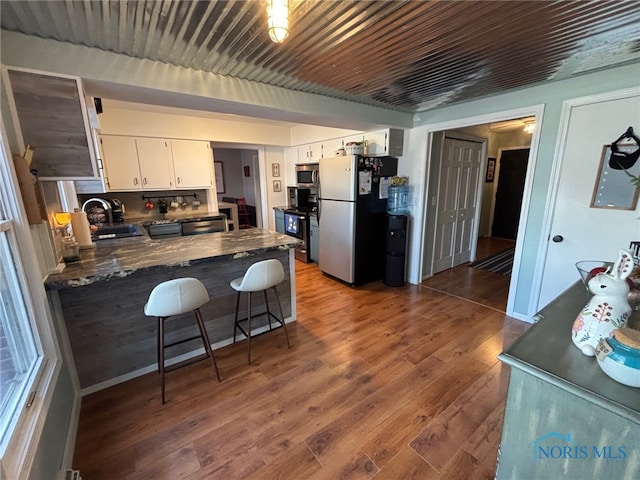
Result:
[
  {"x": 467, "y": 203},
  {"x": 457, "y": 203},
  {"x": 582, "y": 232},
  {"x": 450, "y": 166}
]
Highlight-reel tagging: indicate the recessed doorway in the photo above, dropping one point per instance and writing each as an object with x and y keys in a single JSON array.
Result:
[{"x": 489, "y": 288}]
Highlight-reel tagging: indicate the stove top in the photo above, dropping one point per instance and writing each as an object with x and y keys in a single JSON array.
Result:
[{"x": 305, "y": 209}]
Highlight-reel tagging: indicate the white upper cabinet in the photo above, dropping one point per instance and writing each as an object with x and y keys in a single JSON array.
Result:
[
  {"x": 330, "y": 147},
  {"x": 353, "y": 138},
  {"x": 389, "y": 141},
  {"x": 120, "y": 162},
  {"x": 134, "y": 163},
  {"x": 310, "y": 153},
  {"x": 376, "y": 143},
  {"x": 192, "y": 164},
  {"x": 156, "y": 167},
  {"x": 290, "y": 160}
]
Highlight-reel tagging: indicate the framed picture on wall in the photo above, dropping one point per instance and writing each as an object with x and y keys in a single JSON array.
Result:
[
  {"x": 217, "y": 166},
  {"x": 491, "y": 170},
  {"x": 275, "y": 169},
  {"x": 277, "y": 186}
]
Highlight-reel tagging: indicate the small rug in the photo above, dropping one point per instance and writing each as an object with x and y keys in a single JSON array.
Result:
[{"x": 500, "y": 262}]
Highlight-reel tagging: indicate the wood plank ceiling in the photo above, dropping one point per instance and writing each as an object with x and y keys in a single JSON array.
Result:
[{"x": 405, "y": 55}]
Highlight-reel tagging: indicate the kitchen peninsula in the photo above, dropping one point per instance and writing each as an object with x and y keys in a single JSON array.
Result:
[{"x": 102, "y": 297}]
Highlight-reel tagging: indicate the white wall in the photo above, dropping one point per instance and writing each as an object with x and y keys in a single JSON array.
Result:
[
  {"x": 301, "y": 134},
  {"x": 232, "y": 171},
  {"x": 589, "y": 233},
  {"x": 116, "y": 120},
  {"x": 274, "y": 199}
]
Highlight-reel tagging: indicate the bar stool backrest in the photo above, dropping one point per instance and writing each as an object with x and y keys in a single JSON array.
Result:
[
  {"x": 262, "y": 275},
  {"x": 174, "y": 297}
]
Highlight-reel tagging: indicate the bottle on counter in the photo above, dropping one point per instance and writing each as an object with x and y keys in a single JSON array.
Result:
[{"x": 70, "y": 250}]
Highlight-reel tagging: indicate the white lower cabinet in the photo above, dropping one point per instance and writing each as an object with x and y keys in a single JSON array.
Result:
[{"x": 279, "y": 216}]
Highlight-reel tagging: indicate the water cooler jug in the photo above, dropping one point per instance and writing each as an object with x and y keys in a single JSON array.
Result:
[{"x": 396, "y": 245}]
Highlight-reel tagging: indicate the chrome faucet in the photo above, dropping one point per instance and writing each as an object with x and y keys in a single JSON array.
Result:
[{"x": 106, "y": 205}]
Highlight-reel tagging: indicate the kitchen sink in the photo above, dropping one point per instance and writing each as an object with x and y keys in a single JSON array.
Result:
[{"x": 105, "y": 232}]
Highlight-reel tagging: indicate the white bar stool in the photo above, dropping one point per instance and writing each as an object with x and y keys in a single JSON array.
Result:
[
  {"x": 260, "y": 276},
  {"x": 175, "y": 297}
]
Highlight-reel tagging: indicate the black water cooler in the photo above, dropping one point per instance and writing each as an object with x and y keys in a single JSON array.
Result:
[{"x": 396, "y": 245}]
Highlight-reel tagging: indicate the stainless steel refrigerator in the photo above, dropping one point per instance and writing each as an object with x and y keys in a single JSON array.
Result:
[{"x": 352, "y": 204}]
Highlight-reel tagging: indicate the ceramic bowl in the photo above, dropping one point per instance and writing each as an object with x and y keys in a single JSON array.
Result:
[{"x": 622, "y": 363}]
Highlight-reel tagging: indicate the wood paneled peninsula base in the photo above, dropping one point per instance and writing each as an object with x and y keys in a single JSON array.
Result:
[
  {"x": 564, "y": 417},
  {"x": 100, "y": 299}
]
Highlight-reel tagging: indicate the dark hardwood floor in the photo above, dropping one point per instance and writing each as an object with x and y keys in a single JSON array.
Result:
[
  {"x": 384, "y": 383},
  {"x": 486, "y": 288}
]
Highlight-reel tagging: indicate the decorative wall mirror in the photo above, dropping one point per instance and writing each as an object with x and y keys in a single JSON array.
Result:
[{"x": 613, "y": 188}]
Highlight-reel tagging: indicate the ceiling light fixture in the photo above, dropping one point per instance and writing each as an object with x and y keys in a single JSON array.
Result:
[
  {"x": 278, "y": 19},
  {"x": 530, "y": 126}
]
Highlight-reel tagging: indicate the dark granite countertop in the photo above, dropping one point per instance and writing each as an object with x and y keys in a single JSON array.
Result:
[
  {"x": 124, "y": 256},
  {"x": 547, "y": 352}
]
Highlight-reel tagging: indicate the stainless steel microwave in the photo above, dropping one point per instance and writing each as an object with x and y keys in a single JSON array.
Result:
[{"x": 307, "y": 175}]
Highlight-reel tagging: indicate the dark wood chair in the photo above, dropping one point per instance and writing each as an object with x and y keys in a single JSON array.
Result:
[{"x": 244, "y": 218}]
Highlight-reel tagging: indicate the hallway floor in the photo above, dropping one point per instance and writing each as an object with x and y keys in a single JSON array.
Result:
[{"x": 479, "y": 286}]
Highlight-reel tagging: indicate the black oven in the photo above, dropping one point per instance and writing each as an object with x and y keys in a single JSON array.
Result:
[{"x": 296, "y": 224}]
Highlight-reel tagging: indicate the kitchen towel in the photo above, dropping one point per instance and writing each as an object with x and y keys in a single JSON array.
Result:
[{"x": 81, "y": 231}]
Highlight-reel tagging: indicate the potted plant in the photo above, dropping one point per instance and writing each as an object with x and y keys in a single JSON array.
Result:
[{"x": 162, "y": 205}]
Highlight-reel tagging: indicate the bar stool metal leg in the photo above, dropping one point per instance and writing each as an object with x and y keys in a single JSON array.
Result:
[
  {"x": 206, "y": 341},
  {"x": 161, "y": 355},
  {"x": 284, "y": 324},
  {"x": 266, "y": 302},
  {"x": 249, "y": 331},
  {"x": 235, "y": 320}
]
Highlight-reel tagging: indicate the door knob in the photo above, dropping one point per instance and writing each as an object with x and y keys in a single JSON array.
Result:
[{"x": 558, "y": 238}]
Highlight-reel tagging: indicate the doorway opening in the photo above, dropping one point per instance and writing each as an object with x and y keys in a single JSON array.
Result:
[
  {"x": 239, "y": 188},
  {"x": 505, "y": 138}
]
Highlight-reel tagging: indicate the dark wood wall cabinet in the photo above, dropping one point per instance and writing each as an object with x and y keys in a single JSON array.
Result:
[{"x": 52, "y": 117}]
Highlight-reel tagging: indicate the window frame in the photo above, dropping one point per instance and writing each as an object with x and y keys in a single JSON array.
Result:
[{"x": 19, "y": 445}]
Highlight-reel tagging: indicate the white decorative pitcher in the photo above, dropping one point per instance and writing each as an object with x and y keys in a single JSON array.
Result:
[{"x": 608, "y": 309}]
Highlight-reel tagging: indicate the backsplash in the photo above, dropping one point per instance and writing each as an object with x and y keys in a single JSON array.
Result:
[{"x": 134, "y": 204}]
